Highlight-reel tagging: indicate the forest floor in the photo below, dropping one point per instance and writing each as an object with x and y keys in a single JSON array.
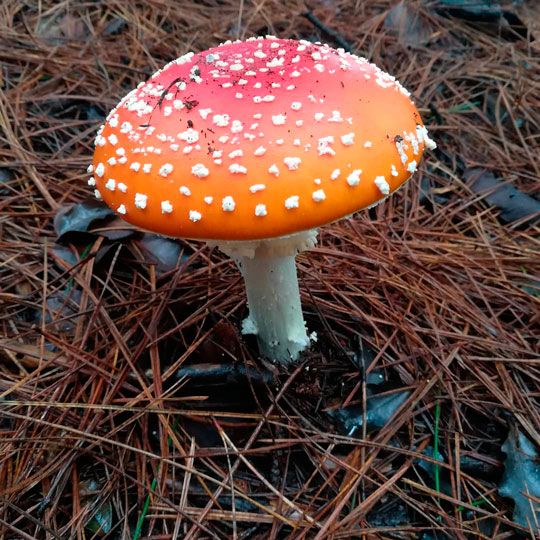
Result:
[{"x": 130, "y": 404}]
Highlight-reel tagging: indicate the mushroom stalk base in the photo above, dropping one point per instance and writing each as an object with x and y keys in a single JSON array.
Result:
[{"x": 275, "y": 312}]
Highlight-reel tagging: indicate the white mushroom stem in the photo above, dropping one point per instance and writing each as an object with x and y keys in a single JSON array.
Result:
[{"x": 275, "y": 312}]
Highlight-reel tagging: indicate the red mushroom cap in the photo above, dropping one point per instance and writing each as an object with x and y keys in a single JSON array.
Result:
[{"x": 257, "y": 139}]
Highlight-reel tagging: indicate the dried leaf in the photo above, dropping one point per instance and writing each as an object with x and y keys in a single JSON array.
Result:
[
  {"x": 404, "y": 21},
  {"x": 56, "y": 30},
  {"x": 521, "y": 479}
]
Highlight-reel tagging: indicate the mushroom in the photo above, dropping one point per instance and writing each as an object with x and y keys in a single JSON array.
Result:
[{"x": 252, "y": 146}]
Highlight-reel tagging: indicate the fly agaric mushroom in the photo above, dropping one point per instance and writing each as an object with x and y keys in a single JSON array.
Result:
[{"x": 251, "y": 146}]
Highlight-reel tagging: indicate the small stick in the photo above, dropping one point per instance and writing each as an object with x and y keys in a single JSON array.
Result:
[{"x": 334, "y": 34}]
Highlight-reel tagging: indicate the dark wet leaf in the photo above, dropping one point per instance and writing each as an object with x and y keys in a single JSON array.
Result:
[
  {"x": 431, "y": 469},
  {"x": 106, "y": 253},
  {"x": 225, "y": 501},
  {"x": 165, "y": 252},
  {"x": 513, "y": 204},
  {"x": 77, "y": 222},
  {"x": 390, "y": 513},
  {"x": 486, "y": 526},
  {"x": 375, "y": 378},
  {"x": 62, "y": 311},
  {"x": 430, "y": 194},
  {"x": 379, "y": 411},
  {"x": 115, "y": 26},
  {"x": 478, "y": 468},
  {"x": 94, "y": 113},
  {"x": 79, "y": 217},
  {"x": 363, "y": 360},
  {"x": 101, "y": 523},
  {"x": 241, "y": 505},
  {"x": 437, "y": 535},
  {"x": 532, "y": 288},
  {"x": 484, "y": 11},
  {"x": 6, "y": 423},
  {"x": 102, "y": 514},
  {"x": 66, "y": 254},
  {"x": 521, "y": 477},
  {"x": 429, "y": 466},
  {"x": 116, "y": 229},
  {"x": 468, "y": 464},
  {"x": 5, "y": 178},
  {"x": 203, "y": 431},
  {"x": 198, "y": 493},
  {"x": 472, "y": 8}
]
